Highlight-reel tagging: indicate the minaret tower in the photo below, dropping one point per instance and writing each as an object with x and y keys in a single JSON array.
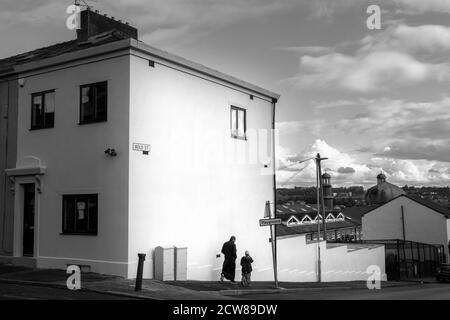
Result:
[{"x": 327, "y": 194}]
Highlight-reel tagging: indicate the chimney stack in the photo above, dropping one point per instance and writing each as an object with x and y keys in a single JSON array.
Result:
[{"x": 93, "y": 23}]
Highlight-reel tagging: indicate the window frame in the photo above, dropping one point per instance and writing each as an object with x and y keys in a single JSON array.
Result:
[
  {"x": 295, "y": 221},
  {"x": 64, "y": 231},
  {"x": 306, "y": 219},
  {"x": 92, "y": 86},
  {"x": 42, "y": 94},
  {"x": 237, "y": 109}
]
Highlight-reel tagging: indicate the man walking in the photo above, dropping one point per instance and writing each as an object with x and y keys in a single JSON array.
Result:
[{"x": 229, "y": 265}]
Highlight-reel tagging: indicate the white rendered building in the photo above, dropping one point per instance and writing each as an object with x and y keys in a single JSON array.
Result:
[{"x": 119, "y": 148}]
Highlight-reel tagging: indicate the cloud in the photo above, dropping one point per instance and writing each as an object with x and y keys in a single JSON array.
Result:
[
  {"x": 310, "y": 50},
  {"x": 439, "y": 151},
  {"x": 394, "y": 57},
  {"x": 314, "y": 127},
  {"x": 403, "y": 130},
  {"x": 346, "y": 170},
  {"x": 410, "y": 39},
  {"x": 177, "y": 22},
  {"x": 340, "y": 166},
  {"x": 305, "y": 173},
  {"x": 421, "y": 6},
  {"x": 336, "y": 104},
  {"x": 371, "y": 72}
]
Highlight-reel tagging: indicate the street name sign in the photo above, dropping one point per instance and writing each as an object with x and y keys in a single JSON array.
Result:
[
  {"x": 269, "y": 222},
  {"x": 145, "y": 148}
]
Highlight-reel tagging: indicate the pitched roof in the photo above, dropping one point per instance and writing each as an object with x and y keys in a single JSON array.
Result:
[
  {"x": 430, "y": 204},
  {"x": 425, "y": 202},
  {"x": 283, "y": 230},
  {"x": 7, "y": 65},
  {"x": 300, "y": 210},
  {"x": 297, "y": 208},
  {"x": 355, "y": 213},
  {"x": 29, "y": 60}
]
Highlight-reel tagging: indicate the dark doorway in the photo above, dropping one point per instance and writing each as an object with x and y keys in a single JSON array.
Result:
[{"x": 28, "y": 220}]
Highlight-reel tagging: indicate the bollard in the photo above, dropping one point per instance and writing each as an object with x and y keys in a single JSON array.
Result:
[{"x": 140, "y": 270}]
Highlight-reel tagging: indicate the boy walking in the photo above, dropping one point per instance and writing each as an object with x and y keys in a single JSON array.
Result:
[{"x": 246, "y": 264}]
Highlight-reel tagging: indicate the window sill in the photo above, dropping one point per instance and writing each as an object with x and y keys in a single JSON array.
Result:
[
  {"x": 90, "y": 122},
  {"x": 239, "y": 137},
  {"x": 78, "y": 234},
  {"x": 43, "y": 128}
]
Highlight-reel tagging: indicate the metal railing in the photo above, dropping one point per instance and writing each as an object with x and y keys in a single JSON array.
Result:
[{"x": 409, "y": 259}]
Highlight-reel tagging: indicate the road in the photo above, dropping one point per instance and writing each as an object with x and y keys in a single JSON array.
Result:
[
  {"x": 27, "y": 292},
  {"x": 437, "y": 291}
]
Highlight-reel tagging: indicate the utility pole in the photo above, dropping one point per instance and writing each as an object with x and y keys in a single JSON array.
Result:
[
  {"x": 319, "y": 202},
  {"x": 321, "y": 198}
]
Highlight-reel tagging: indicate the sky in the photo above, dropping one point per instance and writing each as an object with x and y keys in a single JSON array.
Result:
[{"x": 369, "y": 100}]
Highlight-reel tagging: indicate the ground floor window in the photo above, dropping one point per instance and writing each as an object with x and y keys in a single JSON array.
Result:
[{"x": 80, "y": 214}]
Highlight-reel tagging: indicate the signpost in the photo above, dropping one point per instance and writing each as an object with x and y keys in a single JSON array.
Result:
[{"x": 271, "y": 222}]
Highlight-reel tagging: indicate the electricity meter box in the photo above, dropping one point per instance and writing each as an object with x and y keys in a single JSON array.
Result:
[
  {"x": 171, "y": 263},
  {"x": 181, "y": 263},
  {"x": 164, "y": 263}
]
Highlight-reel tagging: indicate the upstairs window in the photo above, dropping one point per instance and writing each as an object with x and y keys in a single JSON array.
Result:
[
  {"x": 93, "y": 102},
  {"x": 43, "y": 110},
  {"x": 80, "y": 214},
  {"x": 238, "y": 123}
]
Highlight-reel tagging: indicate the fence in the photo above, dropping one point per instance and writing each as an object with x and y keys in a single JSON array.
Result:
[{"x": 410, "y": 260}]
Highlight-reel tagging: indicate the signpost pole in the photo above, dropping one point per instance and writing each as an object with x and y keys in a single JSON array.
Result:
[
  {"x": 272, "y": 222},
  {"x": 319, "y": 267},
  {"x": 274, "y": 256}
]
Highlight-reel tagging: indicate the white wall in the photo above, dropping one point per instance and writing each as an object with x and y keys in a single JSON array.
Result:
[
  {"x": 421, "y": 223},
  {"x": 185, "y": 192},
  {"x": 76, "y": 164},
  {"x": 297, "y": 261}
]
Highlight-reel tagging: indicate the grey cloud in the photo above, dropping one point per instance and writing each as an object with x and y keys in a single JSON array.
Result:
[
  {"x": 346, "y": 170},
  {"x": 417, "y": 150}
]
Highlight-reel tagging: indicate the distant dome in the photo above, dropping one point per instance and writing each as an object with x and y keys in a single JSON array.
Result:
[
  {"x": 326, "y": 176},
  {"x": 381, "y": 176},
  {"x": 382, "y": 192}
]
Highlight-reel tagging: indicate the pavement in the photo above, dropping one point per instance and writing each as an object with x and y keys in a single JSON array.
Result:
[
  {"x": 170, "y": 290},
  {"x": 425, "y": 291}
]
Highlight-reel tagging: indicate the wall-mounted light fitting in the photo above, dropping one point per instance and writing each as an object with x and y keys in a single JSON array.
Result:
[{"x": 111, "y": 152}]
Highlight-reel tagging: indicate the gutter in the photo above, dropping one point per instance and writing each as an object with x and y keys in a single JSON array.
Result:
[{"x": 132, "y": 44}]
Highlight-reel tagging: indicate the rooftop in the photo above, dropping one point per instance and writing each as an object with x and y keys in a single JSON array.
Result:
[{"x": 101, "y": 34}]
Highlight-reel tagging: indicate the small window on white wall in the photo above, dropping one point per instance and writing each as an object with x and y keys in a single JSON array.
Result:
[{"x": 238, "y": 122}]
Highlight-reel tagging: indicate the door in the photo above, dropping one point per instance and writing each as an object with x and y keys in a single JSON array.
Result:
[{"x": 28, "y": 220}]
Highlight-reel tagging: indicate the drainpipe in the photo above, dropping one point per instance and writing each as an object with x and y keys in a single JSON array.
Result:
[
  {"x": 274, "y": 240},
  {"x": 403, "y": 223},
  {"x": 6, "y": 163}
]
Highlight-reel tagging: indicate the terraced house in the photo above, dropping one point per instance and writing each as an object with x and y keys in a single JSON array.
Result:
[{"x": 110, "y": 147}]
